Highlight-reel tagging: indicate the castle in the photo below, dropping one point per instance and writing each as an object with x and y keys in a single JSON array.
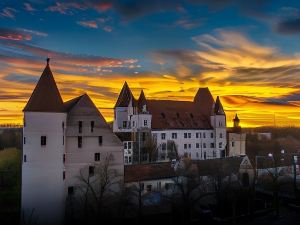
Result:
[
  {"x": 194, "y": 128},
  {"x": 62, "y": 140}
]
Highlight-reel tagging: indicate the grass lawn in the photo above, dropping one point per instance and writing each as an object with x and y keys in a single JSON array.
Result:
[{"x": 10, "y": 180}]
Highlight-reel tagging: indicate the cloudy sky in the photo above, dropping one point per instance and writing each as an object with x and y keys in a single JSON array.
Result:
[{"x": 246, "y": 52}]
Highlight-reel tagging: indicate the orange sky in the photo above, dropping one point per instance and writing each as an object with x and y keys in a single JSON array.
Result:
[{"x": 258, "y": 82}]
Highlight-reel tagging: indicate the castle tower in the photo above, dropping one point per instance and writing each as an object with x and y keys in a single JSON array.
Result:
[
  {"x": 218, "y": 122},
  {"x": 236, "y": 139},
  {"x": 43, "y": 149}
]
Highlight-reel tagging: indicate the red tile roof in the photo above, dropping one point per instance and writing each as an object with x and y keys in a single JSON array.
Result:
[
  {"x": 151, "y": 171},
  {"x": 46, "y": 96},
  {"x": 168, "y": 114}
]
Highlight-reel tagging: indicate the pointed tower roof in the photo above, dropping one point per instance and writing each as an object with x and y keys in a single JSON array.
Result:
[
  {"x": 46, "y": 96},
  {"x": 142, "y": 101},
  {"x": 218, "y": 107},
  {"x": 125, "y": 96},
  {"x": 204, "y": 101},
  {"x": 236, "y": 118}
]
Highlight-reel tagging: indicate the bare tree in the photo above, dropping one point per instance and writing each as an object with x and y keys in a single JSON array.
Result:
[
  {"x": 151, "y": 148},
  {"x": 97, "y": 189}
]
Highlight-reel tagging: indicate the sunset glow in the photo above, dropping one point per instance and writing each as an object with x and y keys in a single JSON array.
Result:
[{"x": 252, "y": 62}]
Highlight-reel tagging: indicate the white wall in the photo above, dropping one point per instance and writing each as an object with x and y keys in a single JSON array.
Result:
[
  {"x": 204, "y": 140},
  {"x": 237, "y": 144},
  {"x": 42, "y": 174}
]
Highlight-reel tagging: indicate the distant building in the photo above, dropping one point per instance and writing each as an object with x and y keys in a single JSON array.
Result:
[
  {"x": 60, "y": 139},
  {"x": 196, "y": 128},
  {"x": 236, "y": 139},
  {"x": 264, "y": 136}
]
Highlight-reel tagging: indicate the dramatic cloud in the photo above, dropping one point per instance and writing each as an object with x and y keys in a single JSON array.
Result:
[
  {"x": 90, "y": 24},
  {"x": 8, "y": 12},
  {"x": 28, "y": 7},
  {"x": 291, "y": 26},
  {"x": 14, "y": 35}
]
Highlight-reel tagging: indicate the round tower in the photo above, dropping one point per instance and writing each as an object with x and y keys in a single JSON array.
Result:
[{"x": 43, "y": 149}]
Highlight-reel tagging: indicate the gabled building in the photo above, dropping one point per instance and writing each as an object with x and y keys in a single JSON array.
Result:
[
  {"x": 196, "y": 128},
  {"x": 59, "y": 140}
]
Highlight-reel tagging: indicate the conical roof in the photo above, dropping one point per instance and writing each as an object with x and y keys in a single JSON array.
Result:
[
  {"x": 46, "y": 96},
  {"x": 204, "y": 101},
  {"x": 125, "y": 96},
  {"x": 218, "y": 107},
  {"x": 142, "y": 101}
]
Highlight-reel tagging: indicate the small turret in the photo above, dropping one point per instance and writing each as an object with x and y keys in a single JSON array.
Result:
[{"x": 236, "y": 121}]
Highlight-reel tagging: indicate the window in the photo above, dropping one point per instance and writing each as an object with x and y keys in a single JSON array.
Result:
[
  {"x": 214, "y": 154},
  {"x": 70, "y": 190},
  {"x": 204, "y": 145},
  {"x": 92, "y": 126},
  {"x": 100, "y": 140},
  {"x": 185, "y": 146},
  {"x": 80, "y": 126},
  {"x": 91, "y": 171},
  {"x": 197, "y": 154},
  {"x": 145, "y": 122},
  {"x": 97, "y": 156},
  {"x": 185, "y": 135},
  {"x": 64, "y": 158},
  {"x": 129, "y": 159},
  {"x": 197, "y": 135},
  {"x": 212, "y": 145},
  {"x": 204, "y": 135},
  {"x": 197, "y": 145},
  {"x": 158, "y": 185},
  {"x": 126, "y": 159},
  {"x": 163, "y": 146},
  {"x": 174, "y": 135},
  {"x": 25, "y": 158},
  {"x": 125, "y": 145},
  {"x": 190, "y": 135},
  {"x": 24, "y": 140},
  {"x": 43, "y": 140},
  {"x": 163, "y": 136},
  {"x": 232, "y": 144},
  {"x": 63, "y": 125},
  {"x": 211, "y": 135},
  {"x": 133, "y": 123},
  {"x": 64, "y": 175},
  {"x": 129, "y": 145},
  {"x": 220, "y": 144},
  {"x": 124, "y": 124},
  {"x": 149, "y": 187},
  {"x": 221, "y": 135},
  {"x": 190, "y": 146},
  {"x": 204, "y": 155},
  {"x": 79, "y": 141}
]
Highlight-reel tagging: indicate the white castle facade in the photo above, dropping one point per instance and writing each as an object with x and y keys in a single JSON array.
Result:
[
  {"x": 196, "y": 128},
  {"x": 61, "y": 141}
]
